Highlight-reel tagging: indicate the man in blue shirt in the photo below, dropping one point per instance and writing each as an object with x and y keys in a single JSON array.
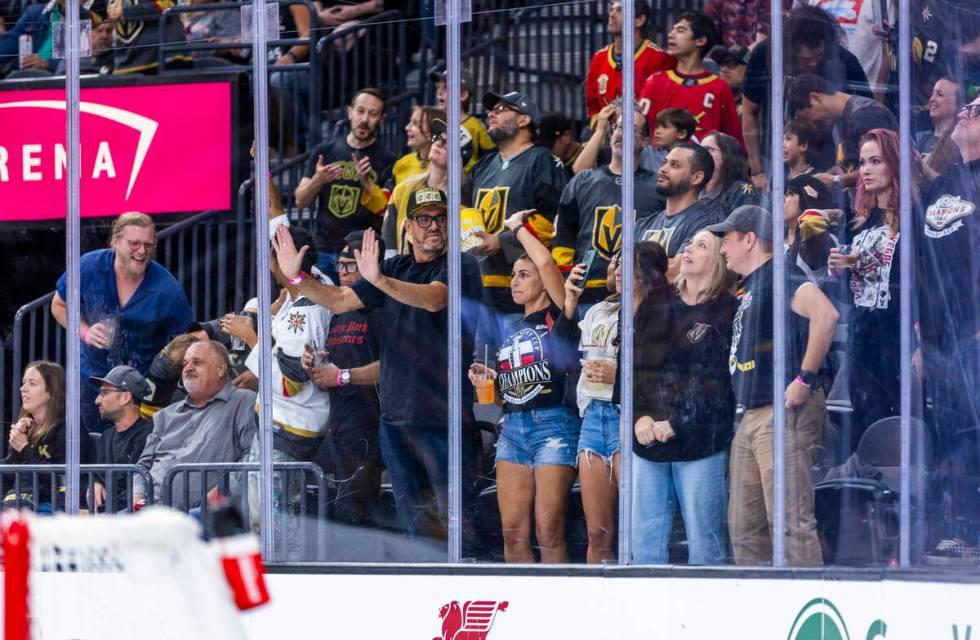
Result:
[{"x": 130, "y": 307}]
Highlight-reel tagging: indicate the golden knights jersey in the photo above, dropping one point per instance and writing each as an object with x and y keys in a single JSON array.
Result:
[
  {"x": 590, "y": 217},
  {"x": 136, "y": 37},
  {"x": 533, "y": 179}
]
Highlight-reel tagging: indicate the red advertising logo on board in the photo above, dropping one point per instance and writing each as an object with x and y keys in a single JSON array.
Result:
[{"x": 470, "y": 621}]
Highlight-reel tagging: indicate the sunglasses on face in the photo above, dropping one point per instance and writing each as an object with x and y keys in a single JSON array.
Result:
[
  {"x": 425, "y": 221},
  {"x": 500, "y": 108},
  {"x": 971, "y": 110},
  {"x": 347, "y": 267}
]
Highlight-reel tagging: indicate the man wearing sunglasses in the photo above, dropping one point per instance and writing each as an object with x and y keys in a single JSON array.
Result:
[
  {"x": 518, "y": 177},
  {"x": 948, "y": 358},
  {"x": 409, "y": 295}
]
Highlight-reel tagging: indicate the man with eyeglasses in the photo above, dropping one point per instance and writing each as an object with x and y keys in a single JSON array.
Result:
[
  {"x": 518, "y": 177},
  {"x": 130, "y": 307},
  {"x": 350, "y": 375},
  {"x": 118, "y": 400},
  {"x": 948, "y": 357},
  {"x": 590, "y": 215},
  {"x": 409, "y": 295}
]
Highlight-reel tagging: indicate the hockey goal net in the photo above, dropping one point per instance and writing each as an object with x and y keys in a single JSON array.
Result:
[{"x": 148, "y": 575}]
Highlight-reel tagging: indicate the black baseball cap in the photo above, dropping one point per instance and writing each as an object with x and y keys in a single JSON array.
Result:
[
  {"x": 552, "y": 126},
  {"x": 520, "y": 101},
  {"x": 126, "y": 379},
  {"x": 353, "y": 242},
  {"x": 440, "y": 74},
  {"x": 744, "y": 219},
  {"x": 735, "y": 54},
  {"x": 426, "y": 196},
  {"x": 813, "y": 193}
]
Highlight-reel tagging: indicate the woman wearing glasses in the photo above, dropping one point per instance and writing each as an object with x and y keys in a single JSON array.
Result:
[{"x": 538, "y": 442}]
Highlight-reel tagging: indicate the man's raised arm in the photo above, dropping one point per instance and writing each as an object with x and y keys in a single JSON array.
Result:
[{"x": 335, "y": 299}]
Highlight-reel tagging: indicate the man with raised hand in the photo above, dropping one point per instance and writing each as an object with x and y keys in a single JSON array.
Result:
[{"x": 409, "y": 294}]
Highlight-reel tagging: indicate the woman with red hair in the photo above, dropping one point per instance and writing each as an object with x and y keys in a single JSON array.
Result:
[{"x": 872, "y": 258}]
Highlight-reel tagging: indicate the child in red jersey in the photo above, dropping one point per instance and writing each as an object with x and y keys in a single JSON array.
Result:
[{"x": 690, "y": 86}]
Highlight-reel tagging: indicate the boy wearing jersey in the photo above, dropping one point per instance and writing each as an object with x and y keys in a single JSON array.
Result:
[
  {"x": 518, "y": 177},
  {"x": 474, "y": 133},
  {"x": 604, "y": 81},
  {"x": 590, "y": 212},
  {"x": 690, "y": 86}
]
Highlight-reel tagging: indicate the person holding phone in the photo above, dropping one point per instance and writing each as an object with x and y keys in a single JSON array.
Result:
[{"x": 536, "y": 450}]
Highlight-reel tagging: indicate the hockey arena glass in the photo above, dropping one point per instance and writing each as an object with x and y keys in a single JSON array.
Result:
[{"x": 793, "y": 382}]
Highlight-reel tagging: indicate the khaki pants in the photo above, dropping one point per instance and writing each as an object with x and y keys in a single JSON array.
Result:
[{"x": 750, "y": 507}]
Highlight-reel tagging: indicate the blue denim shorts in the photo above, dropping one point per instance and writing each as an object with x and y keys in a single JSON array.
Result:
[
  {"x": 600, "y": 430},
  {"x": 539, "y": 436}
]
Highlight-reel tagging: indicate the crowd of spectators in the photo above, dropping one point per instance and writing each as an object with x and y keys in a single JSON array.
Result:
[{"x": 361, "y": 335}]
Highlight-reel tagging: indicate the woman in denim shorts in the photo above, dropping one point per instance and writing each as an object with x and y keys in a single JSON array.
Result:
[
  {"x": 539, "y": 437},
  {"x": 597, "y": 394},
  {"x": 685, "y": 410}
]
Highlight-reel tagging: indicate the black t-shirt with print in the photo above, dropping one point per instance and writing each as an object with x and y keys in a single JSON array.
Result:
[
  {"x": 874, "y": 283},
  {"x": 413, "y": 341},
  {"x": 353, "y": 342},
  {"x": 672, "y": 232},
  {"x": 340, "y": 210},
  {"x": 534, "y": 358},
  {"x": 750, "y": 359},
  {"x": 948, "y": 244}
]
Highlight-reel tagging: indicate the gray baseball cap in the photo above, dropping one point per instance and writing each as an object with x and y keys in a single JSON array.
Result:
[
  {"x": 126, "y": 379},
  {"x": 746, "y": 218},
  {"x": 520, "y": 101}
]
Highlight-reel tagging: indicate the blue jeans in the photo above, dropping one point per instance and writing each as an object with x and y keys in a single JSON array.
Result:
[
  {"x": 600, "y": 430},
  {"x": 539, "y": 437},
  {"x": 699, "y": 486},
  {"x": 417, "y": 461}
]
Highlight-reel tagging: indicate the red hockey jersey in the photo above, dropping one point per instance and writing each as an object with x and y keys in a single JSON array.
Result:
[
  {"x": 604, "y": 82},
  {"x": 705, "y": 95}
]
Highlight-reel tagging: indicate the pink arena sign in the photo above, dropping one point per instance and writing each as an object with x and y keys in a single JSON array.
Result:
[{"x": 156, "y": 149}]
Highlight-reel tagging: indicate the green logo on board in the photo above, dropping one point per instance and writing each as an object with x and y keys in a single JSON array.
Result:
[{"x": 819, "y": 619}]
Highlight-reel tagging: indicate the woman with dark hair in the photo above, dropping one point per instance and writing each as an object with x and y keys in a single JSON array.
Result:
[
  {"x": 806, "y": 219},
  {"x": 729, "y": 187},
  {"x": 38, "y": 436},
  {"x": 872, "y": 256},
  {"x": 684, "y": 406},
  {"x": 538, "y": 442}
]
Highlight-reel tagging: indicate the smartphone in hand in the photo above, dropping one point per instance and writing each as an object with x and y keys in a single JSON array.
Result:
[{"x": 587, "y": 261}]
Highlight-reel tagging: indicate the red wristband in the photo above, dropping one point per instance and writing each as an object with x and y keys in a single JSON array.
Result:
[
  {"x": 85, "y": 334},
  {"x": 339, "y": 381}
]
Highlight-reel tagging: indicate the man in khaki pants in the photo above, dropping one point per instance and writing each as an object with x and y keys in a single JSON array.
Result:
[{"x": 810, "y": 321}]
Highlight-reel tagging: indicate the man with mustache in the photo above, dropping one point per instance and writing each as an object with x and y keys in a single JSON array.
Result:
[
  {"x": 347, "y": 173},
  {"x": 130, "y": 307},
  {"x": 409, "y": 295}
]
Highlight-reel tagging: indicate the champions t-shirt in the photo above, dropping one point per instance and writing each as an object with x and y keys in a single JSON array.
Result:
[
  {"x": 534, "y": 358},
  {"x": 340, "y": 209}
]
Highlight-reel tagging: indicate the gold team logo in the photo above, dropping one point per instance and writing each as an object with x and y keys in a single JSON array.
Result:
[
  {"x": 660, "y": 236},
  {"x": 343, "y": 200},
  {"x": 492, "y": 203},
  {"x": 607, "y": 231}
]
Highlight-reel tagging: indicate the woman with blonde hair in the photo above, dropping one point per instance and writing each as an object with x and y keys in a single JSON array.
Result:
[
  {"x": 38, "y": 436},
  {"x": 684, "y": 411}
]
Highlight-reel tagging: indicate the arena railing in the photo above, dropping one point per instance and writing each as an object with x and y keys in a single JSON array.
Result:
[
  {"x": 305, "y": 526},
  {"x": 28, "y": 481},
  {"x": 288, "y": 135}
]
